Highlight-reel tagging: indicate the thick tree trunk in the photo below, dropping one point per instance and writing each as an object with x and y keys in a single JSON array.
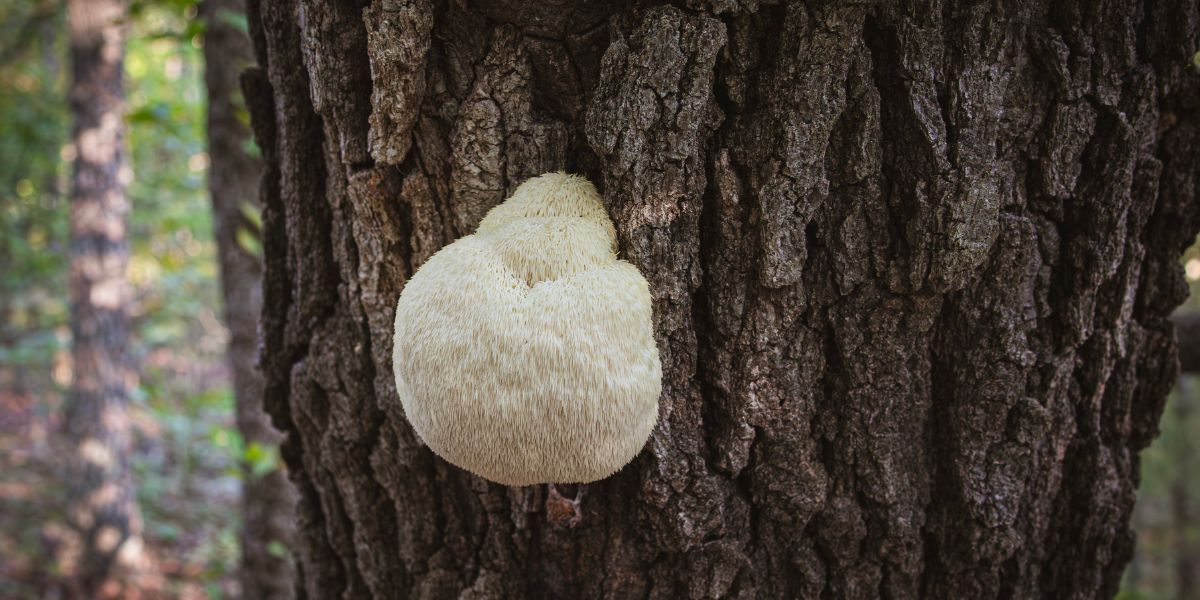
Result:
[
  {"x": 267, "y": 498},
  {"x": 103, "y": 509},
  {"x": 911, "y": 265}
]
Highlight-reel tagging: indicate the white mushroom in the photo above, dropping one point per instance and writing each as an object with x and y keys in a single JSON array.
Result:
[{"x": 525, "y": 353}]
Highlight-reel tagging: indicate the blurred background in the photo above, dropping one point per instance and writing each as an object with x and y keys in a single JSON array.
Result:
[
  {"x": 187, "y": 451},
  {"x": 189, "y": 461}
]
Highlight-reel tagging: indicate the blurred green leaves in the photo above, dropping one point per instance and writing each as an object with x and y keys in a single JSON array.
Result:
[
  {"x": 248, "y": 234},
  {"x": 157, "y": 113},
  {"x": 277, "y": 549},
  {"x": 190, "y": 458},
  {"x": 33, "y": 184},
  {"x": 262, "y": 460},
  {"x": 235, "y": 20}
]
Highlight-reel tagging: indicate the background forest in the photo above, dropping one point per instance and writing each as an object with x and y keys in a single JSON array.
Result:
[{"x": 190, "y": 462}]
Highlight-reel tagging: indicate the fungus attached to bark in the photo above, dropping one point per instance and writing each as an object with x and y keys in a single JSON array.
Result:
[{"x": 525, "y": 353}]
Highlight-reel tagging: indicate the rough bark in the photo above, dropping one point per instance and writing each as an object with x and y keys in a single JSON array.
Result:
[
  {"x": 102, "y": 511},
  {"x": 911, "y": 264},
  {"x": 267, "y": 498}
]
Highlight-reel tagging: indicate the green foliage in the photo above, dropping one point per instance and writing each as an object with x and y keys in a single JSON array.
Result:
[
  {"x": 235, "y": 20},
  {"x": 277, "y": 549},
  {"x": 33, "y": 202},
  {"x": 190, "y": 460},
  {"x": 262, "y": 460},
  {"x": 172, "y": 262}
]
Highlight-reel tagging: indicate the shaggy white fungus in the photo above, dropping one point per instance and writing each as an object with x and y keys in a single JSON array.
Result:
[{"x": 525, "y": 353}]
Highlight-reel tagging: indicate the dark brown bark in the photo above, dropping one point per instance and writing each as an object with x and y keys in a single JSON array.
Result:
[
  {"x": 911, "y": 263},
  {"x": 102, "y": 509},
  {"x": 267, "y": 498}
]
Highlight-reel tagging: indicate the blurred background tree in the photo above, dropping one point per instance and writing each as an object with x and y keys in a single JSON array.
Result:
[
  {"x": 189, "y": 455},
  {"x": 103, "y": 549},
  {"x": 233, "y": 176},
  {"x": 189, "y": 460}
]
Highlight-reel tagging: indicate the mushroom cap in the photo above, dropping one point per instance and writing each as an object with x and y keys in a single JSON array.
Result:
[{"x": 525, "y": 353}]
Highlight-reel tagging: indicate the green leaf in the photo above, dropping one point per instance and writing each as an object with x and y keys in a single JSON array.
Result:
[
  {"x": 250, "y": 147},
  {"x": 254, "y": 452},
  {"x": 193, "y": 29},
  {"x": 156, "y": 113},
  {"x": 236, "y": 20},
  {"x": 252, "y": 214},
  {"x": 249, "y": 241},
  {"x": 261, "y": 459}
]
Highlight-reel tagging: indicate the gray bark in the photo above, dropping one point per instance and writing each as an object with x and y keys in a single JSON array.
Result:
[
  {"x": 911, "y": 265},
  {"x": 267, "y": 498}
]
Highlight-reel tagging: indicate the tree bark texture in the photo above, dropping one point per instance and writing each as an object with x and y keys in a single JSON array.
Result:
[
  {"x": 911, "y": 266},
  {"x": 102, "y": 508},
  {"x": 234, "y": 173}
]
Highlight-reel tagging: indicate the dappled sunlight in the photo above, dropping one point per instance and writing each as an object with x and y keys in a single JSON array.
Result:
[
  {"x": 198, "y": 162},
  {"x": 108, "y": 293},
  {"x": 173, "y": 67},
  {"x": 99, "y": 145},
  {"x": 107, "y": 539},
  {"x": 96, "y": 453},
  {"x": 116, "y": 418},
  {"x": 186, "y": 483},
  {"x": 96, "y": 219}
]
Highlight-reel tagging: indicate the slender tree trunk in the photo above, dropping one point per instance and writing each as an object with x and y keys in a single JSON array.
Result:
[
  {"x": 103, "y": 507},
  {"x": 911, "y": 266},
  {"x": 267, "y": 498}
]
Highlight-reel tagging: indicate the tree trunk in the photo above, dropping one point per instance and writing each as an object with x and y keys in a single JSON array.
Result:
[
  {"x": 103, "y": 509},
  {"x": 911, "y": 265},
  {"x": 267, "y": 497}
]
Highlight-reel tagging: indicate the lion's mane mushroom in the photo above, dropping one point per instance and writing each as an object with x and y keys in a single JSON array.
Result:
[{"x": 525, "y": 353}]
